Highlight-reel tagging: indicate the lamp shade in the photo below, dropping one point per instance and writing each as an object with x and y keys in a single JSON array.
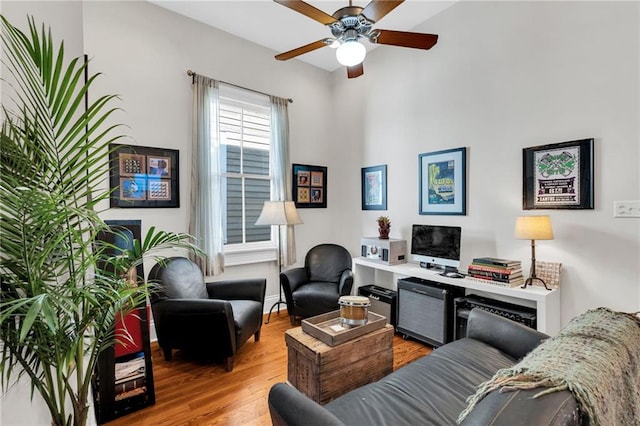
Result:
[
  {"x": 534, "y": 228},
  {"x": 279, "y": 213},
  {"x": 351, "y": 53}
]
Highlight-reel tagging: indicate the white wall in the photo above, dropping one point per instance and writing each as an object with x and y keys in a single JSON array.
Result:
[
  {"x": 144, "y": 52},
  {"x": 505, "y": 76}
]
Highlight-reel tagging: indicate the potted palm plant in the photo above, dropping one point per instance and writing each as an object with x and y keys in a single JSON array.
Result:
[{"x": 61, "y": 290}]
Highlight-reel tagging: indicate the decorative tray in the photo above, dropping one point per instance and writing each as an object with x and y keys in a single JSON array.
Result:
[{"x": 328, "y": 328}]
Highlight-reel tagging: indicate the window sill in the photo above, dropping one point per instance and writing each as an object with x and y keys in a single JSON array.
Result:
[{"x": 247, "y": 256}]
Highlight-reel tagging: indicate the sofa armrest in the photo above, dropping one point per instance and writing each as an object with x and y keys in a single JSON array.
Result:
[
  {"x": 290, "y": 407},
  {"x": 244, "y": 289},
  {"x": 512, "y": 338}
]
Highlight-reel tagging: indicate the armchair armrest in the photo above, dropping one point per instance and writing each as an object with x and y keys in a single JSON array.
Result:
[
  {"x": 289, "y": 407},
  {"x": 192, "y": 307},
  {"x": 512, "y": 338},
  {"x": 292, "y": 278},
  {"x": 245, "y": 289},
  {"x": 346, "y": 282}
]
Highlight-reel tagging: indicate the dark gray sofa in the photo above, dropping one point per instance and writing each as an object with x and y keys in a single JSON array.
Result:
[{"x": 433, "y": 389}]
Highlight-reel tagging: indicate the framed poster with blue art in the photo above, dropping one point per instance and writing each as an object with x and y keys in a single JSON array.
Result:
[
  {"x": 374, "y": 188},
  {"x": 141, "y": 176},
  {"x": 443, "y": 182}
]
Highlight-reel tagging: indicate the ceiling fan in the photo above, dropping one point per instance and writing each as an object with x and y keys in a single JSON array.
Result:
[{"x": 349, "y": 25}]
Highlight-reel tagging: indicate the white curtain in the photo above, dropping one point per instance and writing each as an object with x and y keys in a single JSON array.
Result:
[
  {"x": 206, "y": 179},
  {"x": 280, "y": 169}
]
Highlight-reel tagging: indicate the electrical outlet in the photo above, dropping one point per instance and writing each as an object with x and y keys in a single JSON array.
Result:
[{"x": 626, "y": 208}]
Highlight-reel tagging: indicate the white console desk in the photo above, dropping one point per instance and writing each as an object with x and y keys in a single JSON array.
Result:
[{"x": 546, "y": 303}]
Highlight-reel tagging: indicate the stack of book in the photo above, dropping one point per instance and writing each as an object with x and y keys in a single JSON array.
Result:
[
  {"x": 504, "y": 272},
  {"x": 130, "y": 377}
]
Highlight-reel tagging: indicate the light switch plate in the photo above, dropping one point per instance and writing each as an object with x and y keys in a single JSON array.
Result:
[{"x": 626, "y": 208}]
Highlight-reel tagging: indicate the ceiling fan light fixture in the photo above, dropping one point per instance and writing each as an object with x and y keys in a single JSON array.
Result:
[{"x": 351, "y": 53}]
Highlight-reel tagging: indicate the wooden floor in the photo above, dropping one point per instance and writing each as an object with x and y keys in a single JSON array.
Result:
[{"x": 194, "y": 393}]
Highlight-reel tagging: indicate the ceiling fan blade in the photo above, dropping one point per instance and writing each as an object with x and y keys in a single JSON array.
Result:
[
  {"x": 377, "y": 9},
  {"x": 308, "y": 10},
  {"x": 404, "y": 39},
  {"x": 301, "y": 50},
  {"x": 355, "y": 71}
]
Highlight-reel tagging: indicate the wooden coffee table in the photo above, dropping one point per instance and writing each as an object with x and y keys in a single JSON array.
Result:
[{"x": 324, "y": 372}]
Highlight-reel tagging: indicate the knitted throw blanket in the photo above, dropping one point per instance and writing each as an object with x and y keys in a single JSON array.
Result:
[{"x": 596, "y": 357}]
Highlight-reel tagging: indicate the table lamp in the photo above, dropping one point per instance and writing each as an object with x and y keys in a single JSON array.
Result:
[
  {"x": 278, "y": 213},
  {"x": 533, "y": 228}
]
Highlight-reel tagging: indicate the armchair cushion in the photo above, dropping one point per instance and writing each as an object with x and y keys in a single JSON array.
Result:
[{"x": 316, "y": 296}]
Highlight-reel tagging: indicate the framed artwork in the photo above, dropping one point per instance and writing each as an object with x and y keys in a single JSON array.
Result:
[
  {"x": 374, "y": 188},
  {"x": 558, "y": 176},
  {"x": 143, "y": 177},
  {"x": 443, "y": 182},
  {"x": 309, "y": 186}
]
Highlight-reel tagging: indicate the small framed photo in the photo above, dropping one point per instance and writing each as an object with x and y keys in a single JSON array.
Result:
[
  {"x": 159, "y": 166},
  {"x": 317, "y": 179},
  {"x": 309, "y": 186},
  {"x": 374, "y": 188},
  {"x": 304, "y": 196},
  {"x": 303, "y": 178},
  {"x": 558, "y": 176},
  {"x": 143, "y": 176},
  {"x": 443, "y": 182},
  {"x": 131, "y": 164},
  {"x": 317, "y": 195}
]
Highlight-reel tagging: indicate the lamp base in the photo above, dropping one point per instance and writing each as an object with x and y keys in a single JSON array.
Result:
[
  {"x": 278, "y": 303},
  {"x": 530, "y": 281}
]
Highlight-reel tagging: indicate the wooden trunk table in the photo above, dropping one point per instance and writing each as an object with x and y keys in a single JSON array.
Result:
[{"x": 324, "y": 372}]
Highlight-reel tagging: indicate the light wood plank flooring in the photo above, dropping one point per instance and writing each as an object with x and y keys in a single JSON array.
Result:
[{"x": 194, "y": 393}]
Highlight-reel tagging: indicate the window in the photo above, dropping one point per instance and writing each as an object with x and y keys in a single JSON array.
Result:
[{"x": 245, "y": 138}]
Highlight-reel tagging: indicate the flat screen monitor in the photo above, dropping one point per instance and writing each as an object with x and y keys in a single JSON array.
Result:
[{"x": 436, "y": 246}]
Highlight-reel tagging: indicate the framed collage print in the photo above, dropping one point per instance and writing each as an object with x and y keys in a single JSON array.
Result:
[
  {"x": 309, "y": 186},
  {"x": 143, "y": 176}
]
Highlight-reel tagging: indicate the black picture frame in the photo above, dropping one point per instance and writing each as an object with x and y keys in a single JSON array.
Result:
[
  {"x": 558, "y": 176},
  {"x": 143, "y": 177},
  {"x": 374, "y": 187},
  {"x": 309, "y": 186},
  {"x": 443, "y": 182}
]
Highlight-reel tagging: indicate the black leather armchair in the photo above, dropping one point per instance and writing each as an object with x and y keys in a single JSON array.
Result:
[
  {"x": 316, "y": 288},
  {"x": 208, "y": 319}
]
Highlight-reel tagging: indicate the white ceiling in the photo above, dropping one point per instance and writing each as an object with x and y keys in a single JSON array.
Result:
[{"x": 279, "y": 28}]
